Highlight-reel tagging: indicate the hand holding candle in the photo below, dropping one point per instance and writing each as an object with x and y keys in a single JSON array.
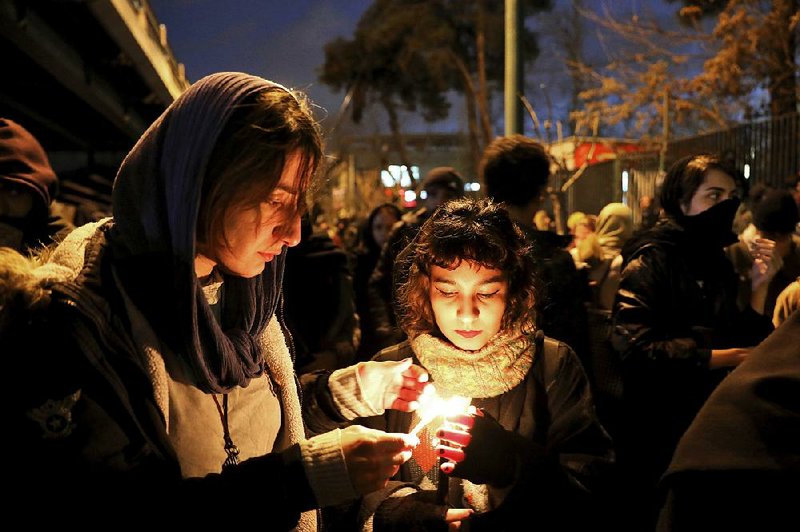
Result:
[
  {"x": 395, "y": 385},
  {"x": 479, "y": 449},
  {"x": 432, "y": 405}
]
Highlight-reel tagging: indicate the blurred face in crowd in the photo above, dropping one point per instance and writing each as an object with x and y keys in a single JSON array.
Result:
[
  {"x": 382, "y": 226},
  {"x": 15, "y": 201},
  {"x": 468, "y": 303},
  {"x": 582, "y": 230},
  {"x": 438, "y": 195},
  {"x": 256, "y": 235},
  {"x": 717, "y": 186}
]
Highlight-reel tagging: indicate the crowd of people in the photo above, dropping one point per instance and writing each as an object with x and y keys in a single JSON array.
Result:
[{"x": 205, "y": 354}]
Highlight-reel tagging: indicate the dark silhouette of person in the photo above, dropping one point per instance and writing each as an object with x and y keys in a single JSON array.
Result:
[{"x": 28, "y": 185}]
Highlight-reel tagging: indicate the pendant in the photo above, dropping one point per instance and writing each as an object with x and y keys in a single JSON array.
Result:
[{"x": 233, "y": 455}]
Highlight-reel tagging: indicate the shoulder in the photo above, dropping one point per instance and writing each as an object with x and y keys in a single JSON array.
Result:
[{"x": 552, "y": 358}]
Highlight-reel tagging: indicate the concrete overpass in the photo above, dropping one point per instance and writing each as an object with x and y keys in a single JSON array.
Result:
[{"x": 86, "y": 77}]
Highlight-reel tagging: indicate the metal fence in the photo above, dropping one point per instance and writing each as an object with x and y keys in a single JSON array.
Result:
[{"x": 766, "y": 151}]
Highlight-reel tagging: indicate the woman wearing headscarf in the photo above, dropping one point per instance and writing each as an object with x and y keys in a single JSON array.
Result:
[{"x": 158, "y": 371}]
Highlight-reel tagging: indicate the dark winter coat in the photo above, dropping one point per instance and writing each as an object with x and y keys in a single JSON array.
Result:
[
  {"x": 561, "y": 292},
  {"x": 738, "y": 465},
  {"x": 676, "y": 302},
  {"x": 569, "y": 454},
  {"x": 88, "y": 417}
]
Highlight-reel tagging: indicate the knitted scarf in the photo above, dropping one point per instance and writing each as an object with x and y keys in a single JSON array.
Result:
[
  {"x": 156, "y": 200},
  {"x": 494, "y": 369}
]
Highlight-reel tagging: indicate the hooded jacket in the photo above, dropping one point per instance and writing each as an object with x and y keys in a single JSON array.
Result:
[{"x": 24, "y": 163}]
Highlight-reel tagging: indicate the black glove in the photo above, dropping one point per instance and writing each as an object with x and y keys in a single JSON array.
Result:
[
  {"x": 416, "y": 512},
  {"x": 493, "y": 454}
]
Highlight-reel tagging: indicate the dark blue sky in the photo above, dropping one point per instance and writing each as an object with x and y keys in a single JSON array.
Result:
[
  {"x": 283, "y": 40},
  {"x": 279, "y": 40}
]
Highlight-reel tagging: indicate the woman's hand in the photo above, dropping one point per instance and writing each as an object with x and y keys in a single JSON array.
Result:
[
  {"x": 395, "y": 385},
  {"x": 453, "y": 518},
  {"x": 417, "y": 511},
  {"x": 373, "y": 456},
  {"x": 762, "y": 250},
  {"x": 725, "y": 358},
  {"x": 479, "y": 449}
]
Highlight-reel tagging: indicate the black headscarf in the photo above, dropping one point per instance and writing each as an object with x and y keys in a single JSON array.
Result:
[{"x": 156, "y": 201}]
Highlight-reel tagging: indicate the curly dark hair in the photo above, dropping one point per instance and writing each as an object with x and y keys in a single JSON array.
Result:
[{"x": 477, "y": 231}]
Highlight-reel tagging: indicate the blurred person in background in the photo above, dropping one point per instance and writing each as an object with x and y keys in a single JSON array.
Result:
[
  {"x": 439, "y": 186},
  {"x": 775, "y": 217},
  {"x": 515, "y": 170},
  {"x": 374, "y": 235},
  {"x": 28, "y": 186}
]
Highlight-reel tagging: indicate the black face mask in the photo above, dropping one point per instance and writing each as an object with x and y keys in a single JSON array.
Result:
[{"x": 714, "y": 226}]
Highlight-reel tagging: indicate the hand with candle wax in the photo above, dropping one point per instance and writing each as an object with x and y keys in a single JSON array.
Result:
[
  {"x": 479, "y": 449},
  {"x": 392, "y": 385}
]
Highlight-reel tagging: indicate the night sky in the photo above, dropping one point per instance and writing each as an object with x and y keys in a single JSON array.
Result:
[
  {"x": 279, "y": 40},
  {"x": 283, "y": 41}
]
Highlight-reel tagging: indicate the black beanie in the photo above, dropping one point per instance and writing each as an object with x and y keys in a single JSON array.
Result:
[{"x": 776, "y": 212}]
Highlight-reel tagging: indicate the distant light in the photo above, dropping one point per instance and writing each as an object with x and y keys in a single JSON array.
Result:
[
  {"x": 747, "y": 171},
  {"x": 423, "y": 194},
  {"x": 409, "y": 196},
  {"x": 624, "y": 180},
  {"x": 405, "y": 178},
  {"x": 474, "y": 187},
  {"x": 398, "y": 174},
  {"x": 387, "y": 179}
]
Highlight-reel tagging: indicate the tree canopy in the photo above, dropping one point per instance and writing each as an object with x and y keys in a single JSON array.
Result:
[{"x": 409, "y": 54}]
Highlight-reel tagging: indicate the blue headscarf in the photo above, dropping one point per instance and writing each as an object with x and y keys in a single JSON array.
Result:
[{"x": 156, "y": 200}]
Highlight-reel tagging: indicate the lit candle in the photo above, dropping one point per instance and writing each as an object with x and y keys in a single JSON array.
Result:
[{"x": 432, "y": 405}]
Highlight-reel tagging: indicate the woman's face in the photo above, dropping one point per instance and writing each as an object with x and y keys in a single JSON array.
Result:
[
  {"x": 468, "y": 303},
  {"x": 717, "y": 186},
  {"x": 382, "y": 225},
  {"x": 253, "y": 242}
]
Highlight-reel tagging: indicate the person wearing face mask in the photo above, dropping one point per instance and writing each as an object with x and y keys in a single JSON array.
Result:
[
  {"x": 676, "y": 325},
  {"x": 27, "y": 187}
]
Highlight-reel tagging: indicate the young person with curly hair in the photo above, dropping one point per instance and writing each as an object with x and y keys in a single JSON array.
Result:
[{"x": 534, "y": 452}]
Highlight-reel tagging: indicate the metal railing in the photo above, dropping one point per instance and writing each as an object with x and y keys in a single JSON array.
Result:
[{"x": 765, "y": 151}]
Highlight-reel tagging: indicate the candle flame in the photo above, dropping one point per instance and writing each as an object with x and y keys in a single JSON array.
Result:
[{"x": 433, "y": 405}]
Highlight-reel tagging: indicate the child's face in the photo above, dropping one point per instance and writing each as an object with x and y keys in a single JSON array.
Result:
[{"x": 468, "y": 303}]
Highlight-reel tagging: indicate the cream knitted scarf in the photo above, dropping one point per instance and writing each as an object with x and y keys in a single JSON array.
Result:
[{"x": 492, "y": 370}]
